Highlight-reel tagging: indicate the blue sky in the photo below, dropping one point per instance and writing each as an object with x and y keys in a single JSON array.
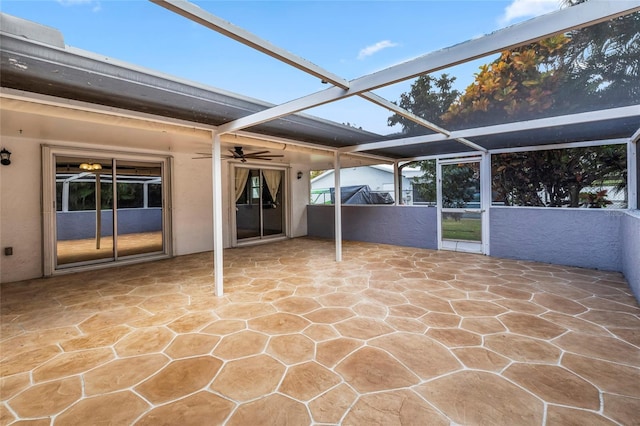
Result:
[{"x": 348, "y": 38}]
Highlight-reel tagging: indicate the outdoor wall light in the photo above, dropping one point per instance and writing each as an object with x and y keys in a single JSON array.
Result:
[
  {"x": 90, "y": 166},
  {"x": 299, "y": 175},
  {"x": 5, "y": 157}
]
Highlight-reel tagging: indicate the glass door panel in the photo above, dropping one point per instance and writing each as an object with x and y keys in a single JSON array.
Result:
[
  {"x": 84, "y": 211},
  {"x": 139, "y": 208},
  {"x": 259, "y": 203},
  {"x": 460, "y": 206},
  {"x": 248, "y": 210},
  {"x": 272, "y": 206}
]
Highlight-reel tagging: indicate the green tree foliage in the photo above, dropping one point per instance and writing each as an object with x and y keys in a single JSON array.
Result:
[
  {"x": 602, "y": 64},
  {"x": 428, "y": 98},
  {"x": 556, "y": 177},
  {"x": 426, "y": 183},
  {"x": 517, "y": 85},
  {"x": 589, "y": 68},
  {"x": 460, "y": 184}
]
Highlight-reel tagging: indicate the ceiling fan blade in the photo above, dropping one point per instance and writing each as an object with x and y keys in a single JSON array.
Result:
[
  {"x": 256, "y": 153},
  {"x": 266, "y": 156},
  {"x": 201, "y": 158}
]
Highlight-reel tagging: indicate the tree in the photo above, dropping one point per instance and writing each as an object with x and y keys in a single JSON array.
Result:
[
  {"x": 556, "y": 177},
  {"x": 593, "y": 66},
  {"x": 428, "y": 98},
  {"x": 602, "y": 64},
  {"x": 518, "y": 84},
  {"x": 426, "y": 183}
]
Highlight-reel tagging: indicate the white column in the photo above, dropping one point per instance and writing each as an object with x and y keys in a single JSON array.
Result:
[
  {"x": 216, "y": 175},
  {"x": 145, "y": 195},
  {"x": 485, "y": 199},
  {"x": 65, "y": 196},
  {"x": 337, "y": 206},
  {"x": 632, "y": 174},
  {"x": 397, "y": 194}
]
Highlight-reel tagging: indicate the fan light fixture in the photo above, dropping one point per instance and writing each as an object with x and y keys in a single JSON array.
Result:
[{"x": 91, "y": 166}]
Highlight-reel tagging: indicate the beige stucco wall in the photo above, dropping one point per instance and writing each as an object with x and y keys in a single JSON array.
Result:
[{"x": 21, "y": 218}]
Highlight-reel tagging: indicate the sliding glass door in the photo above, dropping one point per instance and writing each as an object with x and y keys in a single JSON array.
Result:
[
  {"x": 259, "y": 203},
  {"x": 107, "y": 209}
]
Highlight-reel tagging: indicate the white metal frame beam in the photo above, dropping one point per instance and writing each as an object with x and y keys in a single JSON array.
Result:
[
  {"x": 560, "y": 120},
  {"x": 201, "y": 16},
  {"x": 194, "y": 13},
  {"x": 379, "y": 100},
  {"x": 577, "y": 16}
]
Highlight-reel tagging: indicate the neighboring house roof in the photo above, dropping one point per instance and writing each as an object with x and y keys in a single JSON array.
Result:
[{"x": 408, "y": 172}]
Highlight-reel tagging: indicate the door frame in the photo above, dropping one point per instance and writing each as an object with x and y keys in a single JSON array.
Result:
[
  {"x": 484, "y": 162},
  {"x": 49, "y": 208},
  {"x": 286, "y": 210}
]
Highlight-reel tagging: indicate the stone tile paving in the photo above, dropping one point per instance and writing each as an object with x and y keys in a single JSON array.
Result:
[{"x": 391, "y": 335}]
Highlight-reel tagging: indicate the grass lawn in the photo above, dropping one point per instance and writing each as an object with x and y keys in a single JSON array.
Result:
[{"x": 463, "y": 229}]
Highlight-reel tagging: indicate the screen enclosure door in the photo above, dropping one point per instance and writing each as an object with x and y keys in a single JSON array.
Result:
[
  {"x": 460, "y": 205},
  {"x": 105, "y": 209}
]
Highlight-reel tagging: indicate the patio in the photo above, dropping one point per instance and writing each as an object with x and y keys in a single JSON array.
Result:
[{"x": 391, "y": 335}]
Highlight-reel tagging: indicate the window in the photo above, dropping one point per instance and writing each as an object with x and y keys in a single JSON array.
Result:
[{"x": 594, "y": 177}]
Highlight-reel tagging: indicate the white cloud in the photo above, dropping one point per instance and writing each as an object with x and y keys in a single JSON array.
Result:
[
  {"x": 528, "y": 9},
  {"x": 96, "y": 4},
  {"x": 370, "y": 50}
]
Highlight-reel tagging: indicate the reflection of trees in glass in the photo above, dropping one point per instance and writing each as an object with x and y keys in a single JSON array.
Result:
[
  {"x": 130, "y": 195},
  {"x": 82, "y": 195},
  {"x": 155, "y": 195},
  {"x": 59, "y": 196},
  {"x": 555, "y": 178}
]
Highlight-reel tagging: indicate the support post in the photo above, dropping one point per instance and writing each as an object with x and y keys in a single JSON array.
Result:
[
  {"x": 98, "y": 210},
  {"x": 216, "y": 176},
  {"x": 485, "y": 199},
  {"x": 338, "y": 206},
  {"x": 633, "y": 174},
  {"x": 397, "y": 187}
]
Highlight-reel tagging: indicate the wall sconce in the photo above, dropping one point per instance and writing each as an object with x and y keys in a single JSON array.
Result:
[
  {"x": 299, "y": 175},
  {"x": 5, "y": 157}
]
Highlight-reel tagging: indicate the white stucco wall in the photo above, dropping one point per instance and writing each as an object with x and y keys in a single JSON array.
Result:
[
  {"x": 192, "y": 202},
  {"x": 300, "y": 189},
  {"x": 20, "y": 219}
]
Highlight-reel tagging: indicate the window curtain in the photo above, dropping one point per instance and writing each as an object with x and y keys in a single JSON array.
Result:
[
  {"x": 241, "y": 181},
  {"x": 273, "y": 178}
]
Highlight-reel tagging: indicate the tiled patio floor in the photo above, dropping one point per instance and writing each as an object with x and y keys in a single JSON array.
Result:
[{"x": 389, "y": 336}]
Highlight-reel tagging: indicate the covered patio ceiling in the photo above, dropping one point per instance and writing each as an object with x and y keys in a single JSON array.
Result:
[{"x": 35, "y": 59}]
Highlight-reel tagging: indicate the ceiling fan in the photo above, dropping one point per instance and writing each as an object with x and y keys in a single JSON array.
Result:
[{"x": 237, "y": 153}]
